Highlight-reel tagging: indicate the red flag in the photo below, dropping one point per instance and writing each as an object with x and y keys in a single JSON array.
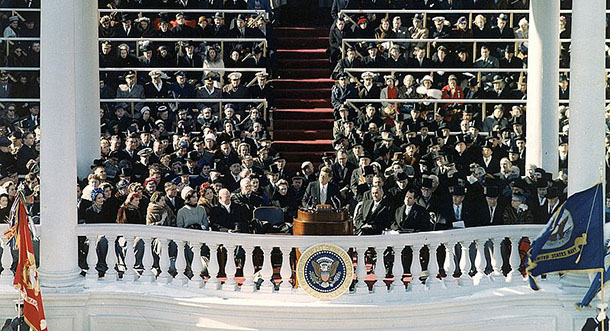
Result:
[{"x": 26, "y": 276}]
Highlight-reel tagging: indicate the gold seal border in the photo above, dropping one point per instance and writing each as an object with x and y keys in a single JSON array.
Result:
[{"x": 349, "y": 272}]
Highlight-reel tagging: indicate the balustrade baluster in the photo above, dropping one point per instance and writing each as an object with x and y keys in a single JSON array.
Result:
[
  {"x": 416, "y": 269},
  {"x": 361, "y": 286},
  {"x": 111, "y": 259},
  {"x": 92, "y": 273},
  {"x": 248, "y": 284},
  {"x": 433, "y": 267},
  {"x": 7, "y": 260},
  {"x": 286, "y": 271},
  {"x": 397, "y": 269},
  {"x": 196, "y": 266},
  {"x": 464, "y": 279},
  {"x": 180, "y": 279},
  {"x": 213, "y": 267},
  {"x": 147, "y": 262},
  {"x": 130, "y": 260},
  {"x": 449, "y": 264},
  {"x": 268, "y": 283},
  {"x": 496, "y": 261},
  {"x": 164, "y": 277},
  {"x": 380, "y": 271},
  {"x": 230, "y": 269},
  {"x": 479, "y": 262},
  {"x": 515, "y": 260}
]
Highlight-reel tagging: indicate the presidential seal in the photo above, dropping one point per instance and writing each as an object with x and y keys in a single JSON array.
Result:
[{"x": 325, "y": 271}]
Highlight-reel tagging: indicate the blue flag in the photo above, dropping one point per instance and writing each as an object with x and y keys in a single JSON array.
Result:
[
  {"x": 596, "y": 284},
  {"x": 573, "y": 239}
]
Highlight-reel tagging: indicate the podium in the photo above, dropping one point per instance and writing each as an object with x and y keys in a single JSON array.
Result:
[{"x": 322, "y": 221}]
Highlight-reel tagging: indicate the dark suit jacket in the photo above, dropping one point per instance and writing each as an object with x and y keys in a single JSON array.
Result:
[
  {"x": 178, "y": 203},
  {"x": 417, "y": 220},
  {"x": 312, "y": 193},
  {"x": 447, "y": 215},
  {"x": 342, "y": 177},
  {"x": 484, "y": 218},
  {"x": 378, "y": 219},
  {"x": 237, "y": 219}
]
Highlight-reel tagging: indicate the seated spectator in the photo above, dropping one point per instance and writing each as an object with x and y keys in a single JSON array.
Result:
[
  {"x": 191, "y": 215},
  {"x": 228, "y": 216},
  {"x": 373, "y": 215}
]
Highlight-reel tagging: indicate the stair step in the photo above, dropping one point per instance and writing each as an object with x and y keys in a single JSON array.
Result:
[
  {"x": 305, "y": 83},
  {"x": 309, "y": 42},
  {"x": 314, "y": 93},
  {"x": 300, "y": 134},
  {"x": 295, "y": 114},
  {"x": 305, "y": 53},
  {"x": 298, "y": 157},
  {"x": 304, "y": 124},
  {"x": 304, "y": 72},
  {"x": 302, "y": 103},
  {"x": 288, "y": 31},
  {"x": 300, "y": 63}
]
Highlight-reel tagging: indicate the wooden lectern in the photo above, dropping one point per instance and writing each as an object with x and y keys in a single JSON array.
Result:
[{"x": 322, "y": 221}]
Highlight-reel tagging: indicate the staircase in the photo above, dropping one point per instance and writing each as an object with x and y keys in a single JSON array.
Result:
[{"x": 302, "y": 122}]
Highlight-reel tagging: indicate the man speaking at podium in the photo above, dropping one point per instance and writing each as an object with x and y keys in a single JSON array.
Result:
[{"x": 322, "y": 191}]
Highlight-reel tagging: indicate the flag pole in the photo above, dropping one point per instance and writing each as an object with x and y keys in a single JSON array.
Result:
[{"x": 603, "y": 181}]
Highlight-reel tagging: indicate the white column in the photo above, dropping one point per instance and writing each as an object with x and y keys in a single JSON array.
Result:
[
  {"x": 87, "y": 88},
  {"x": 587, "y": 95},
  {"x": 542, "y": 113},
  {"x": 58, "y": 243}
]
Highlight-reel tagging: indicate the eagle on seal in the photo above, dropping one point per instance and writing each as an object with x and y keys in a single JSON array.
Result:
[{"x": 324, "y": 273}]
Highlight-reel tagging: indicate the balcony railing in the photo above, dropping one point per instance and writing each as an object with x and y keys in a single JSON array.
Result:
[{"x": 135, "y": 245}]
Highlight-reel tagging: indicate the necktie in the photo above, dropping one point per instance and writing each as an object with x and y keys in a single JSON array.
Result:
[{"x": 457, "y": 213}]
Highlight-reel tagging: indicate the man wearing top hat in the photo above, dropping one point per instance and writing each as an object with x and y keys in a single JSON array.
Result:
[
  {"x": 491, "y": 213},
  {"x": 373, "y": 59},
  {"x": 456, "y": 214},
  {"x": 189, "y": 59},
  {"x": 126, "y": 28},
  {"x": 501, "y": 31},
  {"x": 241, "y": 30}
]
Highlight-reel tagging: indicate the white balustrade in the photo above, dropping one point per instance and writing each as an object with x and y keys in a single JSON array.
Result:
[
  {"x": 496, "y": 260},
  {"x": 92, "y": 273},
  {"x": 7, "y": 260},
  {"x": 450, "y": 241},
  {"x": 449, "y": 265},
  {"x": 286, "y": 271},
  {"x": 515, "y": 259},
  {"x": 416, "y": 269},
  {"x": 147, "y": 262},
  {"x": 111, "y": 259},
  {"x": 380, "y": 285},
  {"x": 164, "y": 276},
  {"x": 465, "y": 279},
  {"x": 130, "y": 259},
  {"x": 433, "y": 268},
  {"x": 196, "y": 266},
  {"x": 230, "y": 269},
  {"x": 248, "y": 269},
  {"x": 268, "y": 284},
  {"x": 180, "y": 279},
  {"x": 397, "y": 270},
  {"x": 361, "y": 286},
  {"x": 213, "y": 267}
]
